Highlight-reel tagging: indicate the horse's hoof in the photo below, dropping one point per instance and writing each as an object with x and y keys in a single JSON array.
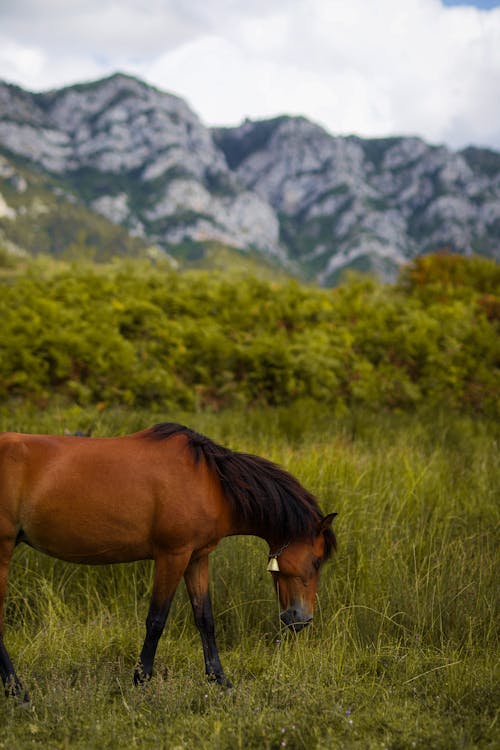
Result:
[
  {"x": 19, "y": 695},
  {"x": 221, "y": 680},
  {"x": 140, "y": 678}
]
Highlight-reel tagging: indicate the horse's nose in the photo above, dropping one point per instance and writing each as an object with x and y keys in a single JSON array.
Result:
[{"x": 295, "y": 618}]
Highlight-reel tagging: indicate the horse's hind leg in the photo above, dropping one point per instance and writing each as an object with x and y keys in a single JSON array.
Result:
[{"x": 7, "y": 672}]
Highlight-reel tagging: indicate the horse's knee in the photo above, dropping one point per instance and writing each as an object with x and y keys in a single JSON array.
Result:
[{"x": 155, "y": 625}]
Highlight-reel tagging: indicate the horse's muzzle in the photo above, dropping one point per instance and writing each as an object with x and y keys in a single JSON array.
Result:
[{"x": 295, "y": 619}]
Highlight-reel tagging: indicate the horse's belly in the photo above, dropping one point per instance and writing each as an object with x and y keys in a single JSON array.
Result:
[
  {"x": 79, "y": 551},
  {"x": 72, "y": 548},
  {"x": 87, "y": 532}
]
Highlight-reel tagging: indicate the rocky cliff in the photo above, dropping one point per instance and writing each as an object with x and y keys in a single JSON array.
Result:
[
  {"x": 367, "y": 203},
  {"x": 142, "y": 160}
]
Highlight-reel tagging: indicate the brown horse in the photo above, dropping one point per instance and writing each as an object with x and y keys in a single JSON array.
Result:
[{"x": 168, "y": 494}]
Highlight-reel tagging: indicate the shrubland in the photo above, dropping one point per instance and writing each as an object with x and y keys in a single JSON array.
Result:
[{"x": 137, "y": 334}]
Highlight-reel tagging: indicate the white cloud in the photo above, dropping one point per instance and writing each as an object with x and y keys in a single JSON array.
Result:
[
  {"x": 16, "y": 59},
  {"x": 394, "y": 66}
]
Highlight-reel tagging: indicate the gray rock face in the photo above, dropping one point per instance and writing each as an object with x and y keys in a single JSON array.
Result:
[
  {"x": 124, "y": 129},
  {"x": 143, "y": 159},
  {"x": 116, "y": 125},
  {"x": 372, "y": 204}
]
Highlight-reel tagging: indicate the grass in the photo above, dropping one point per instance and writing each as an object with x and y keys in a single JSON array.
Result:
[{"x": 403, "y": 652}]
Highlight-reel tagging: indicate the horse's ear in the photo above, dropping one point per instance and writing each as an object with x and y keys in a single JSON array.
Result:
[{"x": 326, "y": 522}]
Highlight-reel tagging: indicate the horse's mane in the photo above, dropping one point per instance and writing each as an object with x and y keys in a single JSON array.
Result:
[{"x": 260, "y": 492}]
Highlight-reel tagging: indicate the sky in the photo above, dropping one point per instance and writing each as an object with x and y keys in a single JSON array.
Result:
[{"x": 373, "y": 68}]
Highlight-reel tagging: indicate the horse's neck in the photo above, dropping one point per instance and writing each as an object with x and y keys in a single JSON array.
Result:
[{"x": 250, "y": 528}]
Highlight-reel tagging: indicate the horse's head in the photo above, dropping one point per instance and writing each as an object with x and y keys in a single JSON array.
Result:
[{"x": 295, "y": 569}]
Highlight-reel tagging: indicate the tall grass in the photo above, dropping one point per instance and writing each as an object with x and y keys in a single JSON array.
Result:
[{"x": 403, "y": 651}]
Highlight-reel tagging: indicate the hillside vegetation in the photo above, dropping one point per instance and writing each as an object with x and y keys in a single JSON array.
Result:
[{"x": 136, "y": 334}]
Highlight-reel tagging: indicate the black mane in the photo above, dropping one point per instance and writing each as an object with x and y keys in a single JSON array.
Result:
[{"x": 260, "y": 492}]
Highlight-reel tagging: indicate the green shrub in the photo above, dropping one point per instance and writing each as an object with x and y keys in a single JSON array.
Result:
[{"x": 134, "y": 334}]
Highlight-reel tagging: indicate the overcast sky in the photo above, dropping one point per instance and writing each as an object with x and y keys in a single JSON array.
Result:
[{"x": 369, "y": 67}]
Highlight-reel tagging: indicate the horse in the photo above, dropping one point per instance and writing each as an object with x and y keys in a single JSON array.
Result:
[{"x": 167, "y": 494}]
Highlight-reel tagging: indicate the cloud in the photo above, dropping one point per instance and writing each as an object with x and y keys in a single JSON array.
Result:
[{"x": 375, "y": 69}]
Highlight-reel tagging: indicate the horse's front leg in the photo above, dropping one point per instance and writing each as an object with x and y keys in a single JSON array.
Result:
[
  {"x": 169, "y": 569},
  {"x": 196, "y": 577},
  {"x": 7, "y": 672}
]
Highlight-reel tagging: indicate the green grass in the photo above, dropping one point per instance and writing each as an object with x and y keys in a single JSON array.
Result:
[{"x": 403, "y": 652}]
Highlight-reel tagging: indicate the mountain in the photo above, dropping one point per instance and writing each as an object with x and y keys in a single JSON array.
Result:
[
  {"x": 138, "y": 157},
  {"x": 371, "y": 204},
  {"x": 119, "y": 167}
]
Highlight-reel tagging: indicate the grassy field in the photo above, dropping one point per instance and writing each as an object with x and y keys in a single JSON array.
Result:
[{"x": 403, "y": 652}]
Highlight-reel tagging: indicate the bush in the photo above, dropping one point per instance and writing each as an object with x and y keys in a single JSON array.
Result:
[{"x": 132, "y": 334}]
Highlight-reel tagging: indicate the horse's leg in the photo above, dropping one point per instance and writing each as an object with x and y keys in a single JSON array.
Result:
[
  {"x": 7, "y": 672},
  {"x": 168, "y": 572},
  {"x": 196, "y": 577}
]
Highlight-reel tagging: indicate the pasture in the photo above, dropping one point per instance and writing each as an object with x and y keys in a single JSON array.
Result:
[{"x": 403, "y": 651}]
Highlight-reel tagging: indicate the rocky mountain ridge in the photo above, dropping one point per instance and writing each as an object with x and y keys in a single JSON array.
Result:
[{"x": 313, "y": 202}]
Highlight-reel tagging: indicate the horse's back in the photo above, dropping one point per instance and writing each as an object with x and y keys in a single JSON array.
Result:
[{"x": 101, "y": 500}]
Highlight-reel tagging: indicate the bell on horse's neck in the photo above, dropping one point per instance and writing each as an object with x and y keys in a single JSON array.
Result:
[{"x": 273, "y": 566}]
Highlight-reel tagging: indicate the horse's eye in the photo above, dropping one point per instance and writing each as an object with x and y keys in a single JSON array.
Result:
[{"x": 317, "y": 563}]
